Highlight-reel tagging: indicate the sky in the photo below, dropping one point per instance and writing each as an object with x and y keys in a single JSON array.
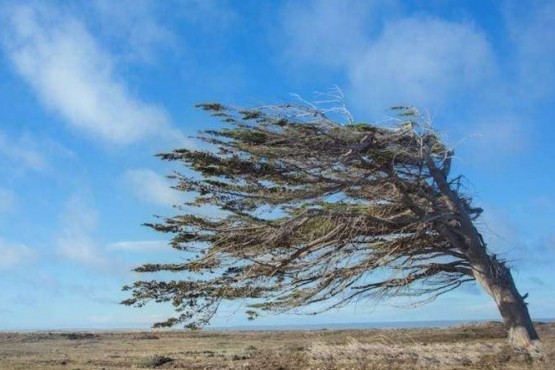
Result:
[{"x": 92, "y": 90}]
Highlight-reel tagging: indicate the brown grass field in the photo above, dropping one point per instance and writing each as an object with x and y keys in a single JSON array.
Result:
[{"x": 478, "y": 346}]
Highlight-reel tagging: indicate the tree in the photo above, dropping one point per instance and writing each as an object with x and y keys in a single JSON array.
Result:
[{"x": 313, "y": 213}]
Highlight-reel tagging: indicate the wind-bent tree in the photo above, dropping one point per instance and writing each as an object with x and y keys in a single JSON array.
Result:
[{"x": 317, "y": 214}]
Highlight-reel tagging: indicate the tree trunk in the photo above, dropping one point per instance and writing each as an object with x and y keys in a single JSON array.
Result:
[{"x": 495, "y": 277}]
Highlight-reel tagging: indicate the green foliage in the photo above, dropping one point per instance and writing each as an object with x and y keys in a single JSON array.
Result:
[
  {"x": 310, "y": 211},
  {"x": 213, "y": 107}
]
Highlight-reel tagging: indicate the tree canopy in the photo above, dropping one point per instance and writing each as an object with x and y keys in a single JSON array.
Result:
[{"x": 314, "y": 213}]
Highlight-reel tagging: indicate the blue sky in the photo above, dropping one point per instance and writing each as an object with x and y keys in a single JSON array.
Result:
[{"x": 91, "y": 90}]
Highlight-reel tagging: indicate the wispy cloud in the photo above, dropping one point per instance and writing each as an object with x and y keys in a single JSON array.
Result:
[
  {"x": 74, "y": 76},
  {"x": 7, "y": 201},
  {"x": 139, "y": 246},
  {"x": 390, "y": 56},
  {"x": 507, "y": 236},
  {"x": 421, "y": 61},
  {"x": 543, "y": 202},
  {"x": 75, "y": 241},
  {"x": 531, "y": 27},
  {"x": 14, "y": 254},
  {"x": 22, "y": 150},
  {"x": 388, "y": 60},
  {"x": 208, "y": 15},
  {"x": 551, "y": 242},
  {"x": 323, "y": 32},
  {"x": 30, "y": 153},
  {"x": 542, "y": 251},
  {"x": 152, "y": 187},
  {"x": 9, "y": 205},
  {"x": 490, "y": 138},
  {"x": 137, "y": 27},
  {"x": 501, "y": 231}
]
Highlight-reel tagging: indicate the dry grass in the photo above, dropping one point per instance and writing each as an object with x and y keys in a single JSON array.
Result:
[
  {"x": 467, "y": 347},
  {"x": 435, "y": 355}
]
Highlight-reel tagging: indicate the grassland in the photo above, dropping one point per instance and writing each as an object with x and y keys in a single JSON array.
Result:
[{"x": 480, "y": 346}]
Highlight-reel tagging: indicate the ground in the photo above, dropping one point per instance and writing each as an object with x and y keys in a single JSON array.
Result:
[{"x": 479, "y": 346}]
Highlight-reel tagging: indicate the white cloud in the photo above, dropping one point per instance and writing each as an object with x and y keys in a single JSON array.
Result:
[
  {"x": 388, "y": 58},
  {"x": 72, "y": 75},
  {"x": 532, "y": 29},
  {"x": 14, "y": 254},
  {"x": 423, "y": 62},
  {"x": 75, "y": 241},
  {"x": 140, "y": 246},
  {"x": 151, "y": 187},
  {"x": 328, "y": 32}
]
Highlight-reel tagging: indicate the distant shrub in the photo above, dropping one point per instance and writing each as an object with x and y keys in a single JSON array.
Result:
[
  {"x": 156, "y": 361},
  {"x": 79, "y": 336}
]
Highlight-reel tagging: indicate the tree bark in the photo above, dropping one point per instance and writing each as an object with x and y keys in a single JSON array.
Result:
[{"x": 495, "y": 277}]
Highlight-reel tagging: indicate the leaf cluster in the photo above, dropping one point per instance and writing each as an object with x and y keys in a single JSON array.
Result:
[{"x": 312, "y": 213}]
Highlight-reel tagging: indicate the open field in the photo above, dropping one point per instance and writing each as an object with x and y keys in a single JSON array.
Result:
[{"x": 480, "y": 346}]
